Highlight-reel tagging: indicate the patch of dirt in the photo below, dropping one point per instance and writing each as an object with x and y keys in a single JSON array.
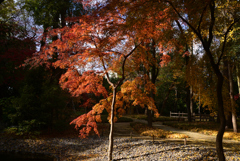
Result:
[
  {"x": 124, "y": 129},
  {"x": 120, "y": 129}
]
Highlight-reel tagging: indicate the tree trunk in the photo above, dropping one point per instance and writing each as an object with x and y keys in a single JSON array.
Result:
[
  {"x": 219, "y": 146},
  {"x": 220, "y": 79},
  {"x": 207, "y": 42},
  {"x": 154, "y": 74},
  {"x": 234, "y": 121},
  {"x": 149, "y": 114},
  {"x": 110, "y": 145},
  {"x": 188, "y": 100},
  {"x": 176, "y": 99},
  {"x": 238, "y": 77},
  {"x": 189, "y": 91},
  {"x": 227, "y": 84}
]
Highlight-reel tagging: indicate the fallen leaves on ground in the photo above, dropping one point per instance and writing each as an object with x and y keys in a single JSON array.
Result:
[
  {"x": 208, "y": 128},
  {"x": 144, "y": 130}
]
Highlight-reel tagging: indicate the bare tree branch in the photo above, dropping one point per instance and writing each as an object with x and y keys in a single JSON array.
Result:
[
  {"x": 184, "y": 20},
  {"x": 124, "y": 61},
  {"x": 201, "y": 18},
  {"x": 225, "y": 39}
]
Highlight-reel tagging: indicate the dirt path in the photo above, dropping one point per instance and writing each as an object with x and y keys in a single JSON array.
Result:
[{"x": 125, "y": 130}]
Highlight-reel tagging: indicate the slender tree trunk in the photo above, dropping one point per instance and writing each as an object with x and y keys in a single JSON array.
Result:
[
  {"x": 238, "y": 77},
  {"x": 221, "y": 130},
  {"x": 189, "y": 93},
  {"x": 176, "y": 99},
  {"x": 234, "y": 121},
  {"x": 110, "y": 146},
  {"x": 220, "y": 79},
  {"x": 147, "y": 111},
  {"x": 188, "y": 101},
  {"x": 227, "y": 84},
  {"x": 199, "y": 107},
  {"x": 149, "y": 114},
  {"x": 191, "y": 101}
]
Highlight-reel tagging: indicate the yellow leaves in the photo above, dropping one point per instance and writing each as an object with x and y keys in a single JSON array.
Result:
[
  {"x": 133, "y": 92},
  {"x": 177, "y": 136},
  {"x": 138, "y": 91},
  {"x": 144, "y": 130},
  {"x": 103, "y": 104}
]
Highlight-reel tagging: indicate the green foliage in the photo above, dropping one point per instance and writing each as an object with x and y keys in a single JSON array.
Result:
[
  {"x": 26, "y": 128},
  {"x": 41, "y": 104},
  {"x": 171, "y": 79},
  {"x": 11, "y": 130},
  {"x": 46, "y": 12},
  {"x": 7, "y": 10}
]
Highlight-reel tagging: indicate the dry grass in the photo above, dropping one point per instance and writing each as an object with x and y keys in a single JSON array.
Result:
[
  {"x": 208, "y": 128},
  {"x": 144, "y": 130}
]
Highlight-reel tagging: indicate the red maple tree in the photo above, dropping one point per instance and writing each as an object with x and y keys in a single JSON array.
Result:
[{"x": 93, "y": 48}]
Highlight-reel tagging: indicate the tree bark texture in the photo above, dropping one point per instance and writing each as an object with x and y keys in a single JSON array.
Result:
[{"x": 219, "y": 146}]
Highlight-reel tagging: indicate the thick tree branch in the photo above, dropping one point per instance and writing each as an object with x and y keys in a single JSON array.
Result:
[
  {"x": 184, "y": 20},
  {"x": 123, "y": 70},
  {"x": 212, "y": 10},
  {"x": 123, "y": 65},
  {"x": 205, "y": 43},
  {"x": 201, "y": 18},
  {"x": 106, "y": 72},
  {"x": 179, "y": 26}
]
